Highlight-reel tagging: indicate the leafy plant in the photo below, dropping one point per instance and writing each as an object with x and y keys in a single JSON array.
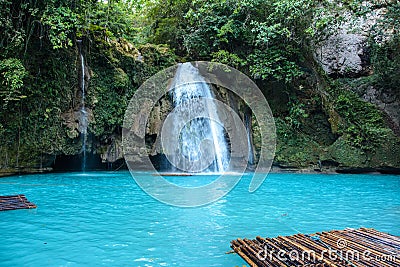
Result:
[
  {"x": 363, "y": 124},
  {"x": 12, "y": 74},
  {"x": 233, "y": 60},
  {"x": 297, "y": 114}
]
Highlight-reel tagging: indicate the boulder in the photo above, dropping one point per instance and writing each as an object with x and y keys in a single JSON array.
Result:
[{"x": 345, "y": 54}]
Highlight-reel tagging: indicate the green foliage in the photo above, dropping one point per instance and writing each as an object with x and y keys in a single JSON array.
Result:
[
  {"x": 166, "y": 19},
  {"x": 109, "y": 112},
  {"x": 283, "y": 130},
  {"x": 384, "y": 39},
  {"x": 11, "y": 37},
  {"x": 116, "y": 19},
  {"x": 61, "y": 23},
  {"x": 297, "y": 114},
  {"x": 263, "y": 38},
  {"x": 224, "y": 57},
  {"x": 386, "y": 61},
  {"x": 33, "y": 126},
  {"x": 274, "y": 64},
  {"x": 217, "y": 25},
  {"x": 294, "y": 149},
  {"x": 268, "y": 40},
  {"x": 115, "y": 80},
  {"x": 363, "y": 125},
  {"x": 12, "y": 74}
]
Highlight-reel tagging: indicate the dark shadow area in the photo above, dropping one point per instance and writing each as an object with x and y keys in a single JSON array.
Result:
[{"x": 75, "y": 163}]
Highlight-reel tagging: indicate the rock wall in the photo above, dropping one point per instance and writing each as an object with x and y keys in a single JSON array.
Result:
[
  {"x": 345, "y": 57},
  {"x": 345, "y": 52},
  {"x": 385, "y": 99}
]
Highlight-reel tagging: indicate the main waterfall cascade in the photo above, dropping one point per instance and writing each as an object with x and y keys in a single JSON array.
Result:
[
  {"x": 189, "y": 85},
  {"x": 83, "y": 119}
]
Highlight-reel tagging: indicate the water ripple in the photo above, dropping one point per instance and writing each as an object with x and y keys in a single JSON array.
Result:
[{"x": 105, "y": 219}]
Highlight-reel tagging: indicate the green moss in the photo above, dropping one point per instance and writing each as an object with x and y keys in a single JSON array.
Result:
[
  {"x": 294, "y": 149},
  {"x": 38, "y": 128},
  {"x": 345, "y": 154},
  {"x": 360, "y": 123},
  {"x": 387, "y": 154},
  {"x": 114, "y": 81}
]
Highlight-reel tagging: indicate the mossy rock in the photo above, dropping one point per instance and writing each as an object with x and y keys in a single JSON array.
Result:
[
  {"x": 295, "y": 150},
  {"x": 345, "y": 155},
  {"x": 387, "y": 154},
  {"x": 296, "y": 157}
]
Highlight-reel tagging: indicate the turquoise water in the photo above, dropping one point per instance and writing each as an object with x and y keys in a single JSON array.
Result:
[{"x": 105, "y": 219}]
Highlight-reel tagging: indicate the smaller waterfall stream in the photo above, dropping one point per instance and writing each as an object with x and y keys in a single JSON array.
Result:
[
  {"x": 83, "y": 119},
  {"x": 189, "y": 85},
  {"x": 247, "y": 124}
]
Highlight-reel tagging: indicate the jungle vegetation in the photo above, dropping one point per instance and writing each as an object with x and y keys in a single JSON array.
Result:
[{"x": 271, "y": 41}]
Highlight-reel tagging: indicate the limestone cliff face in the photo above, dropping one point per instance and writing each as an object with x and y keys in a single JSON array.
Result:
[
  {"x": 386, "y": 99},
  {"x": 345, "y": 57},
  {"x": 346, "y": 54}
]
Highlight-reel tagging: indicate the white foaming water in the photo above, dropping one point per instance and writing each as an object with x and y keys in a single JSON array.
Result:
[
  {"x": 189, "y": 85},
  {"x": 247, "y": 122},
  {"x": 83, "y": 112},
  {"x": 83, "y": 79}
]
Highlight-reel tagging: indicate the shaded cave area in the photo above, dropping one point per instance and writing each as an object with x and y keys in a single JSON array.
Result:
[{"x": 64, "y": 163}]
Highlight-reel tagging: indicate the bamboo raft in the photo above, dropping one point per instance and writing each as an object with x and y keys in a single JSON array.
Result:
[
  {"x": 15, "y": 202},
  {"x": 349, "y": 247}
]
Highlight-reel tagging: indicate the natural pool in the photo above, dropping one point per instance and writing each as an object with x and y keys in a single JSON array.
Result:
[{"x": 104, "y": 218}]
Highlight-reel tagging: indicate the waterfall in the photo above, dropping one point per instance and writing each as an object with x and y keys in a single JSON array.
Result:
[
  {"x": 247, "y": 124},
  {"x": 83, "y": 119},
  {"x": 189, "y": 85}
]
